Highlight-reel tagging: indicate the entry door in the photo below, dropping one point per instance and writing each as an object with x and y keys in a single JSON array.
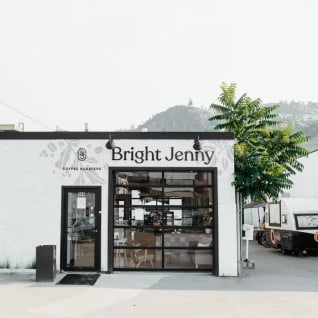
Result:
[{"x": 81, "y": 228}]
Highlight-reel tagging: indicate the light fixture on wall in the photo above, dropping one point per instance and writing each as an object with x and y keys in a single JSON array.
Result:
[
  {"x": 197, "y": 144},
  {"x": 110, "y": 143}
]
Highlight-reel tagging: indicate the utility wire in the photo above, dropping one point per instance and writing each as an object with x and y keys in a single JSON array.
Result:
[{"x": 25, "y": 115}]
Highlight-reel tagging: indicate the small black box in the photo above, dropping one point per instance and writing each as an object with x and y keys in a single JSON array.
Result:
[{"x": 45, "y": 263}]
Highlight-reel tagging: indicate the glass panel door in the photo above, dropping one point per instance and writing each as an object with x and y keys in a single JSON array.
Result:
[
  {"x": 164, "y": 219},
  {"x": 81, "y": 229}
]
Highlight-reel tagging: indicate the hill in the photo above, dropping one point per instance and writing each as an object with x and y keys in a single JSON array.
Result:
[
  {"x": 301, "y": 116},
  {"x": 188, "y": 118},
  {"x": 179, "y": 118}
]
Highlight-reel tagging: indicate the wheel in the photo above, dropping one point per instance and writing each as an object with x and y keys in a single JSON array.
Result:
[
  {"x": 265, "y": 244},
  {"x": 296, "y": 253},
  {"x": 302, "y": 253},
  {"x": 284, "y": 251}
]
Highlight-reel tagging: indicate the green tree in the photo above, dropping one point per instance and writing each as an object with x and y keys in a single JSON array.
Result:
[{"x": 266, "y": 152}]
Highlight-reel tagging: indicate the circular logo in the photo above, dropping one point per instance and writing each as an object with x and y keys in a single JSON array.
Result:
[{"x": 81, "y": 154}]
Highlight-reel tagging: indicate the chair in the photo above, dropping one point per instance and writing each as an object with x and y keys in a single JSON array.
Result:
[
  {"x": 202, "y": 257},
  {"x": 143, "y": 256},
  {"x": 121, "y": 252}
]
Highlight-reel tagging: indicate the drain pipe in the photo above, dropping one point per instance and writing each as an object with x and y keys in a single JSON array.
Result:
[{"x": 239, "y": 232}]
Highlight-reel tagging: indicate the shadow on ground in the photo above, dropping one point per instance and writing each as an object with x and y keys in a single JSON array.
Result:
[{"x": 273, "y": 272}]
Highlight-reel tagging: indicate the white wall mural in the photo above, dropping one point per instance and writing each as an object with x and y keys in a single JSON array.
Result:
[{"x": 75, "y": 160}]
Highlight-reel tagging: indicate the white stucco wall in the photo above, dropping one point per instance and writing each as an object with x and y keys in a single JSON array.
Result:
[
  {"x": 305, "y": 182},
  {"x": 32, "y": 176}
]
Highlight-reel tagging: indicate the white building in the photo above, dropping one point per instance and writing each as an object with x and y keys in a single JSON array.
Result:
[
  {"x": 305, "y": 182},
  {"x": 119, "y": 201}
]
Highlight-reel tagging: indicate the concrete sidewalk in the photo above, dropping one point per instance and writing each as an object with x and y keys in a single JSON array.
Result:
[{"x": 279, "y": 285}]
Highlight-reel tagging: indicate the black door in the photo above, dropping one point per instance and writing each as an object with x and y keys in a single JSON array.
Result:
[{"x": 81, "y": 228}]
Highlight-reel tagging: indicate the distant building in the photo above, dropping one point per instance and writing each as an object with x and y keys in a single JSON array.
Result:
[
  {"x": 305, "y": 182},
  {"x": 12, "y": 127}
]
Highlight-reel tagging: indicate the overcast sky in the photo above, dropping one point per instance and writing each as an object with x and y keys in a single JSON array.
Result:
[{"x": 113, "y": 64}]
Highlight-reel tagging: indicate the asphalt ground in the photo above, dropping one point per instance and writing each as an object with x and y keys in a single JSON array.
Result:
[{"x": 278, "y": 286}]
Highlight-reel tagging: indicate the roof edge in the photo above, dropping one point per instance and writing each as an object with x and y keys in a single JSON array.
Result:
[{"x": 115, "y": 135}]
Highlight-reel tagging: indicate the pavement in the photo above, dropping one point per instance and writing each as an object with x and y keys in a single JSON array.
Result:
[{"x": 278, "y": 286}]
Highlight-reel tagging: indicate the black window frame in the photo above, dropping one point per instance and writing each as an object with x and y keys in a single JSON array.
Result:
[
  {"x": 298, "y": 227},
  {"x": 63, "y": 238},
  {"x": 213, "y": 226},
  {"x": 269, "y": 214}
]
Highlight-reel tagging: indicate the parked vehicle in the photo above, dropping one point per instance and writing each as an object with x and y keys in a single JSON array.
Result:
[{"x": 291, "y": 225}]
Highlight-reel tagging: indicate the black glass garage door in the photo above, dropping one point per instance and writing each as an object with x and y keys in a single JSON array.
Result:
[{"x": 163, "y": 219}]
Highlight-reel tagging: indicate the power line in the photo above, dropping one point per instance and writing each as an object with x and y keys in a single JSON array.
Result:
[{"x": 25, "y": 115}]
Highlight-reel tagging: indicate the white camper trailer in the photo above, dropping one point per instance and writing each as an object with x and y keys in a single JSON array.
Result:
[{"x": 292, "y": 225}]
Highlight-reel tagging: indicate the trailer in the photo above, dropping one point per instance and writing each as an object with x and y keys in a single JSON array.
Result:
[{"x": 291, "y": 225}]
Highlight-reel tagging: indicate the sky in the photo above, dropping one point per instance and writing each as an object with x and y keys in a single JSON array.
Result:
[{"x": 114, "y": 64}]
